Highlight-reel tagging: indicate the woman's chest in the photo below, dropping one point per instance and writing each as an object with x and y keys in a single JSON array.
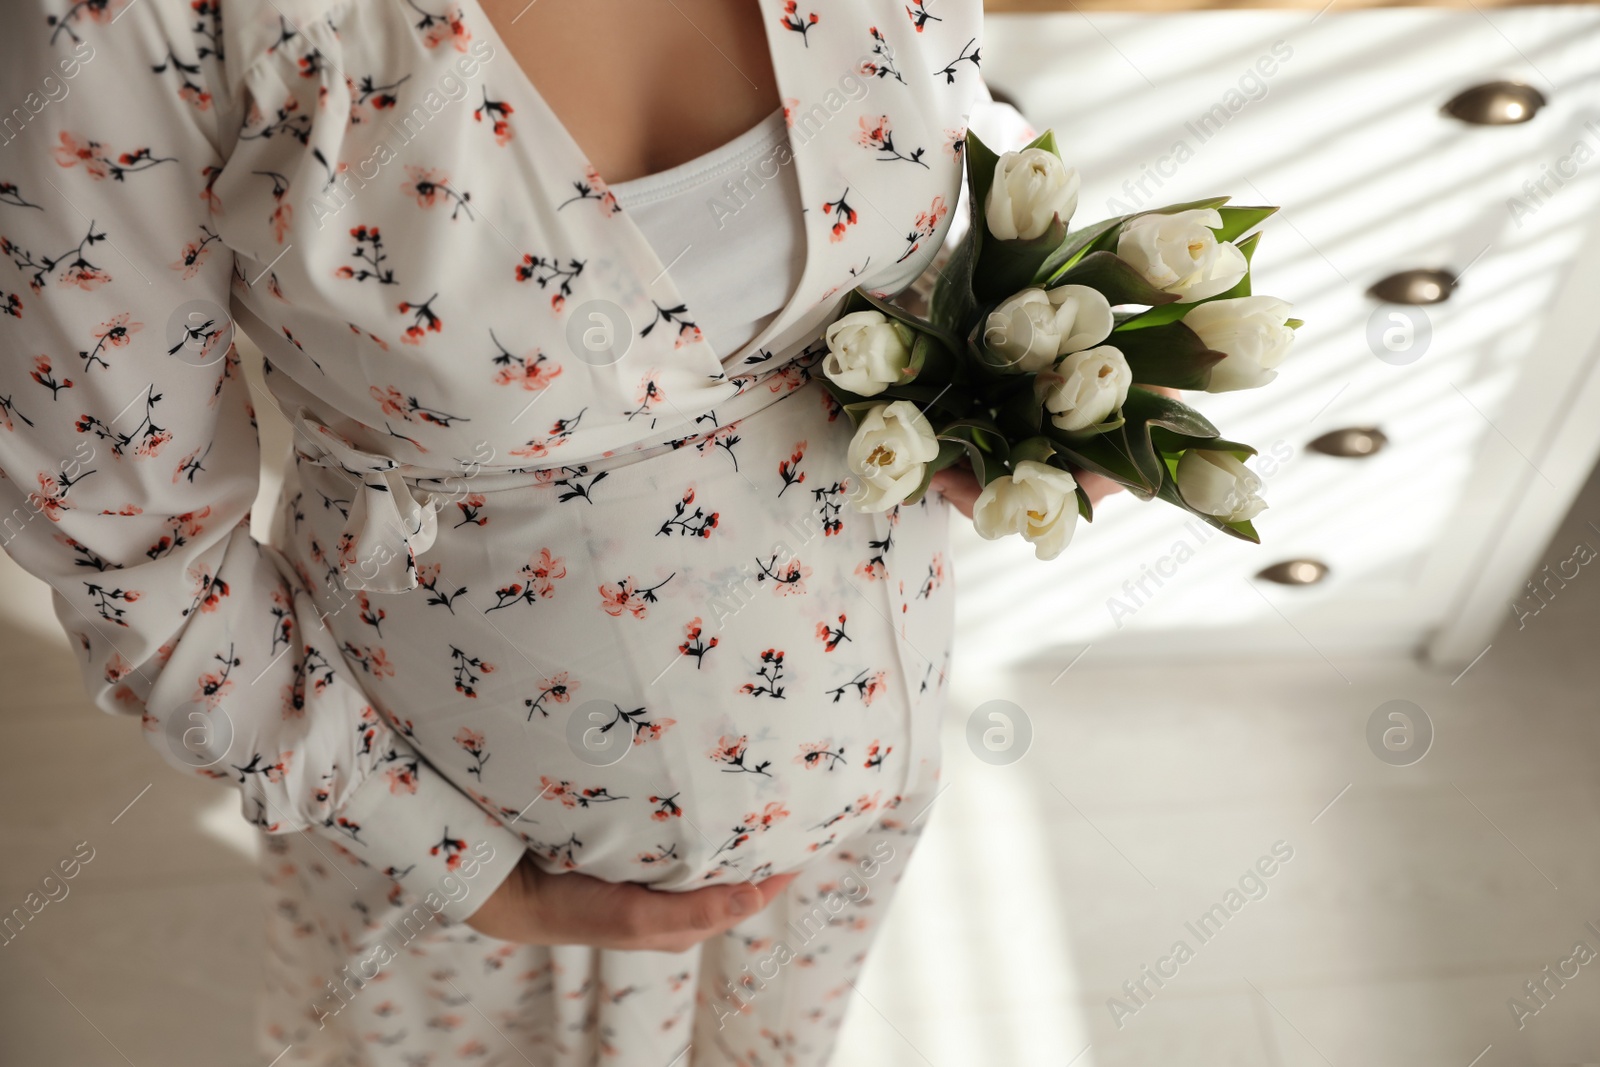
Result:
[
  {"x": 643, "y": 87},
  {"x": 431, "y": 253}
]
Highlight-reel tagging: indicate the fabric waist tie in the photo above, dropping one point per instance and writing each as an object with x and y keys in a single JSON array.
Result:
[
  {"x": 392, "y": 515},
  {"x": 389, "y": 520}
]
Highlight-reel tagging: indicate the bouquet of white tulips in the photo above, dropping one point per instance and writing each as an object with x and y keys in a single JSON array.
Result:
[{"x": 1039, "y": 351}]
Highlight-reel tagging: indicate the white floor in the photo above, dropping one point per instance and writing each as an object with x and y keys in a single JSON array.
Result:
[
  {"x": 1417, "y": 902},
  {"x": 1413, "y": 907}
]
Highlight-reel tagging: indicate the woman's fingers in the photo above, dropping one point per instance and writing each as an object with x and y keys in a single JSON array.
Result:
[
  {"x": 577, "y": 909},
  {"x": 771, "y": 887},
  {"x": 1098, "y": 487},
  {"x": 958, "y": 485}
]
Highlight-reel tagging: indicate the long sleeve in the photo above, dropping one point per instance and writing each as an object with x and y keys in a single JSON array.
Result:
[{"x": 129, "y": 457}]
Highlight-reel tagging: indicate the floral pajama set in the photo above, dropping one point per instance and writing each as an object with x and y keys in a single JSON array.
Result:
[{"x": 530, "y": 587}]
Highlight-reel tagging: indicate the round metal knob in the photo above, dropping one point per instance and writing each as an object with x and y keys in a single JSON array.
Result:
[
  {"x": 1295, "y": 572},
  {"x": 1501, "y": 103},
  {"x": 1352, "y": 442},
  {"x": 1424, "y": 286}
]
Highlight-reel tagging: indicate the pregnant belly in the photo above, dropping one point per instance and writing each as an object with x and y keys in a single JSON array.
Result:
[{"x": 695, "y": 667}]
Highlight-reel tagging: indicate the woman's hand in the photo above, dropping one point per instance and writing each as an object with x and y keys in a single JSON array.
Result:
[
  {"x": 533, "y": 907},
  {"x": 960, "y": 487}
]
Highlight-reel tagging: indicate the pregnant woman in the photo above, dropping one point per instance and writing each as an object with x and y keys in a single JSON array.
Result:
[{"x": 583, "y": 719}]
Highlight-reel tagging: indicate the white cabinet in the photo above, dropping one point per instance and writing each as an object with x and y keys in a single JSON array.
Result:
[{"x": 1492, "y": 426}]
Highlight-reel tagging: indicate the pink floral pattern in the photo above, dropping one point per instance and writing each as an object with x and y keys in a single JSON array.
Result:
[{"x": 494, "y": 543}]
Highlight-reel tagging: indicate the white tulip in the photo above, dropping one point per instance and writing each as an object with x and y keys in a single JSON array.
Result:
[
  {"x": 1086, "y": 387},
  {"x": 1179, "y": 254},
  {"x": 1251, "y": 330},
  {"x": 1218, "y": 484},
  {"x": 1031, "y": 329},
  {"x": 889, "y": 454},
  {"x": 1030, "y": 189},
  {"x": 1037, "y": 501},
  {"x": 867, "y": 352}
]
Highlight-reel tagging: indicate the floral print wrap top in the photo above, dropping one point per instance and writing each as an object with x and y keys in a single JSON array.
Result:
[{"x": 449, "y": 301}]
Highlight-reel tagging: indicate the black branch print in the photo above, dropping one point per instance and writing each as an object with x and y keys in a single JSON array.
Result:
[
  {"x": 698, "y": 523},
  {"x": 467, "y": 671},
  {"x": 367, "y": 93},
  {"x": 820, "y": 754},
  {"x": 593, "y": 187},
  {"x": 573, "y": 486},
  {"x": 533, "y": 371},
  {"x": 920, "y": 16},
  {"x": 108, "y": 601},
  {"x": 498, "y": 112},
  {"x": 287, "y": 121},
  {"x": 76, "y": 269},
  {"x": 789, "y": 469},
  {"x": 867, "y": 684},
  {"x": 735, "y": 753},
  {"x": 695, "y": 644},
  {"x": 770, "y": 673},
  {"x": 877, "y": 133},
  {"x": 883, "y": 66},
  {"x": 677, "y": 316},
  {"x": 539, "y": 576},
  {"x": 570, "y": 796},
  {"x": 949, "y": 69},
  {"x": 370, "y": 256},
  {"x": 787, "y": 578},
  {"x": 185, "y": 73},
  {"x": 545, "y": 271},
  {"x": 101, "y": 162},
  {"x": 831, "y": 636},
  {"x": 758, "y": 822},
  {"x": 556, "y": 689},
  {"x": 428, "y": 579},
  {"x": 844, "y": 216},
  {"x": 830, "y": 501},
  {"x": 793, "y": 20},
  {"x": 432, "y": 187},
  {"x": 624, "y": 596}
]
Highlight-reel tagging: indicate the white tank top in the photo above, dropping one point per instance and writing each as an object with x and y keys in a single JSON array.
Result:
[{"x": 727, "y": 226}]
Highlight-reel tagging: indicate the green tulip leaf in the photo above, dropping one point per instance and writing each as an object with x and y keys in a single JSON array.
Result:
[
  {"x": 1085, "y": 507},
  {"x": 856, "y": 409},
  {"x": 861, "y": 300},
  {"x": 950, "y": 453},
  {"x": 1072, "y": 249},
  {"x": 1115, "y": 278},
  {"x": 1109, "y": 456},
  {"x": 1037, "y": 449},
  {"x": 1045, "y": 141},
  {"x": 1172, "y": 355},
  {"x": 1145, "y": 407},
  {"x": 1239, "y": 220},
  {"x": 1007, "y": 267},
  {"x": 1171, "y": 443},
  {"x": 983, "y": 443},
  {"x": 951, "y": 304}
]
